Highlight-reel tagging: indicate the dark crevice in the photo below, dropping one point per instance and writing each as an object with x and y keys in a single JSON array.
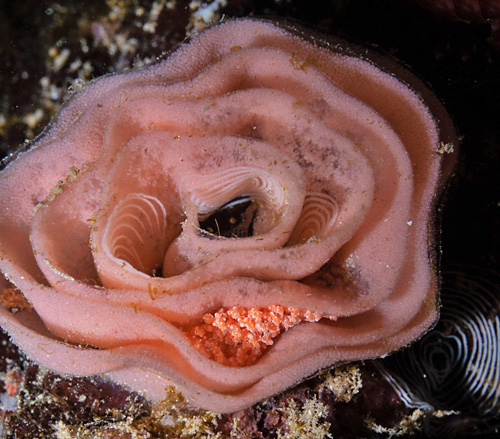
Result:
[{"x": 233, "y": 220}]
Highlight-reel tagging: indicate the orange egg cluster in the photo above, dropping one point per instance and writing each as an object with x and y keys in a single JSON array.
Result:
[{"x": 239, "y": 336}]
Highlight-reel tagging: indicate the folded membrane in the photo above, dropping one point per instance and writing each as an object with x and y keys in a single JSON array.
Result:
[{"x": 105, "y": 239}]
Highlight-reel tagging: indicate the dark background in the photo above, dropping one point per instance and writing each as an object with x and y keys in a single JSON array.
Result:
[{"x": 457, "y": 53}]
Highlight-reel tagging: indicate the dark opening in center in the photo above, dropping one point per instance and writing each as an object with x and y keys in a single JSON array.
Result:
[{"x": 233, "y": 220}]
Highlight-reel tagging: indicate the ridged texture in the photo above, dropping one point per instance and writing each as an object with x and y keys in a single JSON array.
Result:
[
  {"x": 456, "y": 367},
  {"x": 317, "y": 219},
  {"x": 135, "y": 232},
  {"x": 236, "y": 182}
]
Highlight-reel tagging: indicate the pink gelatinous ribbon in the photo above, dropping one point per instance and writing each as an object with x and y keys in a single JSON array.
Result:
[{"x": 101, "y": 224}]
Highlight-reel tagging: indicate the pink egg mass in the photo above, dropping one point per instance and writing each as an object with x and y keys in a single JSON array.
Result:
[{"x": 257, "y": 206}]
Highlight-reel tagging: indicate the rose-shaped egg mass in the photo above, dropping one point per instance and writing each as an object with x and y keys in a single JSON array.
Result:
[{"x": 251, "y": 209}]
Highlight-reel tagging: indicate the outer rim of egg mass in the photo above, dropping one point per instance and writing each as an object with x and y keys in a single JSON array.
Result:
[
  {"x": 447, "y": 130},
  {"x": 386, "y": 63}
]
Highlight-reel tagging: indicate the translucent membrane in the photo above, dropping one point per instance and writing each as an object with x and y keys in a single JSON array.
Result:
[
  {"x": 238, "y": 182},
  {"x": 317, "y": 219},
  {"x": 135, "y": 233}
]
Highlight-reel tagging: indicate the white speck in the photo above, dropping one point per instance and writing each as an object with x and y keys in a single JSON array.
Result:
[
  {"x": 78, "y": 85},
  {"x": 61, "y": 59},
  {"x": 54, "y": 93},
  {"x": 445, "y": 148},
  {"x": 34, "y": 118},
  {"x": 8, "y": 403},
  {"x": 154, "y": 14},
  {"x": 409, "y": 223},
  {"x": 167, "y": 420},
  {"x": 75, "y": 65},
  {"x": 205, "y": 13}
]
